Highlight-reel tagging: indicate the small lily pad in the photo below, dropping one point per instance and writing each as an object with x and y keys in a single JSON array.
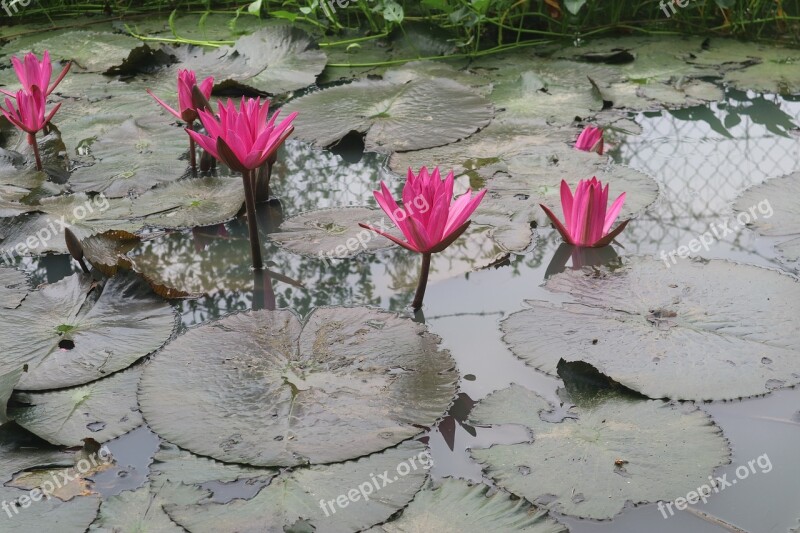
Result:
[
  {"x": 773, "y": 209},
  {"x": 680, "y": 331},
  {"x": 100, "y": 410},
  {"x": 76, "y": 331},
  {"x": 294, "y": 498},
  {"x": 420, "y": 113},
  {"x": 267, "y": 389},
  {"x": 457, "y": 506},
  {"x": 608, "y": 452}
]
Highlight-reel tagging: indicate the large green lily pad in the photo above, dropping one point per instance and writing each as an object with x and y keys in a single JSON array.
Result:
[
  {"x": 42, "y": 515},
  {"x": 773, "y": 209},
  {"x": 100, "y": 410},
  {"x": 76, "y": 331},
  {"x": 132, "y": 157},
  {"x": 13, "y": 287},
  {"x": 615, "y": 450},
  {"x": 691, "y": 331},
  {"x": 190, "y": 203},
  {"x": 267, "y": 389},
  {"x": 420, "y": 113},
  {"x": 457, "y": 506},
  {"x": 292, "y": 501}
]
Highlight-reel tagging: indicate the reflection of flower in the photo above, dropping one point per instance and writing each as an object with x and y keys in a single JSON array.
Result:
[
  {"x": 587, "y": 219},
  {"x": 581, "y": 257},
  {"x": 590, "y": 140},
  {"x": 430, "y": 219}
]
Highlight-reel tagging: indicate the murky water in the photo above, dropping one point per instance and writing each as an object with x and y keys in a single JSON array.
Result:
[{"x": 702, "y": 157}]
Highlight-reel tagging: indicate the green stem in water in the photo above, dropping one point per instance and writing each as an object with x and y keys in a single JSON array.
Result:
[
  {"x": 423, "y": 282},
  {"x": 35, "y": 146},
  {"x": 252, "y": 221}
]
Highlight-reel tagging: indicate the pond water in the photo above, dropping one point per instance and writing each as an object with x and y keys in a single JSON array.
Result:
[{"x": 703, "y": 157}]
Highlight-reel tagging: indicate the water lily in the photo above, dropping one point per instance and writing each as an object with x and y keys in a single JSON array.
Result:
[
  {"x": 188, "y": 104},
  {"x": 29, "y": 115},
  {"x": 587, "y": 218},
  {"x": 244, "y": 140},
  {"x": 430, "y": 219},
  {"x": 590, "y": 140},
  {"x": 34, "y": 73}
]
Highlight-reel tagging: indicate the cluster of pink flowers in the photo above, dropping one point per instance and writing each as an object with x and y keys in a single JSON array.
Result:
[{"x": 25, "y": 109}]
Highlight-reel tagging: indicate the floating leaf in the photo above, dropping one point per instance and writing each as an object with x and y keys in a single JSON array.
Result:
[
  {"x": 679, "y": 331},
  {"x": 75, "y": 331},
  {"x": 179, "y": 466},
  {"x": 421, "y": 113},
  {"x": 190, "y": 203},
  {"x": 772, "y": 209},
  {"x": 266, "y": 389},
  {"x": 101, "y": 410},
  {"x": 36, "y": 516},
  {"x": 334, "y": 233},
  {"x": 457, "y": 506},
  {"x": 13, "y": 287},
  {"x": 294, "y": 499},
  {"x": 613, "y": 451},
  {"x": 141, "y": 510},
  {"x": 19, "y": 450},
  {"x": 106, "y": 251}
]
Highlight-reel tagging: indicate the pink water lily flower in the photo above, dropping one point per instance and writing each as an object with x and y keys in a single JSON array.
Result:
[
  {"x": 430, "y": 219},
  {"x": 34, "y": 73},
  {"x": 186, "y": 80},
  {"x": 29, "y": 115},
  {"x": 587, "y": 216},
  {"x": 590, "y": 140},
  {"x": 243, "y": 139}
]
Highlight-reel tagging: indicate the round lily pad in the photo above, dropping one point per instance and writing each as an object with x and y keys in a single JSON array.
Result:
[
  {"x": 773, "y": 209},
  {"x": 100, "y": 410},
  {"x": 76, "y": 331},
  {"x": 457, "y": 506},
  {"x": 291, "y": 502},
  {"x": 420, "y": 113},
  {"x": 691, "y": 331},
  {"x": 608, "y": 452},
  {"x": 13, "y": 287},
  {"x": 334, "y": 233},
  {"x": 190, "y": 203},
  {"x": 38, "y": 516},
  {"x": 267, "y": 389}
]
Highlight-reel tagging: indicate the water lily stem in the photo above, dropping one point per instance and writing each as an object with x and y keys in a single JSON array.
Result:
[
  {"x": 192, "y": 150},
  {"x": 423, "y": 282},
  {"x": 35, "y": 146},
  {"x": 252, "y": 220}
]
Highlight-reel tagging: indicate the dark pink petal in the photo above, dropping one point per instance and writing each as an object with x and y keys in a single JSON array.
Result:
[
  {"x": 392, "y": 238},
  {"x": 559, "y": 226}
]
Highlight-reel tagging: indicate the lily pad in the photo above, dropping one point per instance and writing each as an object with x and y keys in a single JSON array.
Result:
[
  {"x": 171, "y": 464},
  {"x": 190, "y": 203},
  {"x": 106, "y": 251},
  {"x": 779, "y": 199},
  {"x": 13, "y": 287},
  {"x": 457, "y": 506},
  {"x": 132, "y": 157},
  {"x": 141, "y": 510},
  {"x": 275, "y": 60},
  {"x": 38, "y": 516},
  {"x": 265, "y": 388},
  {"x": 293, "y": 499},
  {"x": 101, "y": 410},
  {"x": 19, "y": 450},
  {"x": 681, "y": 331},
  {"x": 606, "y": 453},
  {"x": 76, "y": 331},
  {"x": 420, "y": 113},
  {"x": 334, "y": 233}
]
